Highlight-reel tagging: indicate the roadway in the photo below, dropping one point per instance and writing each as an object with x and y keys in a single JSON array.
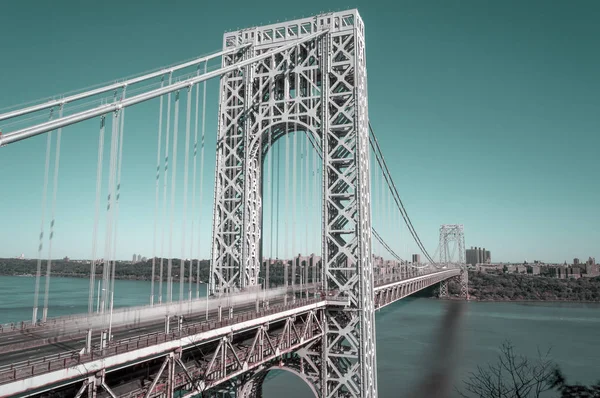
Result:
[
  {"x": 28, "y": 355},
  {"x": 18, "y": 347}
]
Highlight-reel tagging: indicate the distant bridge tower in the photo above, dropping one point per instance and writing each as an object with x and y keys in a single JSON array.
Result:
[
  {"x": 317, "y": 87},
  {"x": 452, "y": 239}
]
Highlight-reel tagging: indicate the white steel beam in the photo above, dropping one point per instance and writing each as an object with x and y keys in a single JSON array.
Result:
[
  {"x": 115, "y": 86},
  {"x": 41, "y": 128}
]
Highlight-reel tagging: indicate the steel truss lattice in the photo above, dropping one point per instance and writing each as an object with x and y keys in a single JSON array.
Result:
[
  {"x": 453, "y": 233},
  {"x": 318, "y": 87}
]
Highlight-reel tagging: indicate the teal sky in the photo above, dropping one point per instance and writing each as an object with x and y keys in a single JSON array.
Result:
[{"x": 488, "y": 113}]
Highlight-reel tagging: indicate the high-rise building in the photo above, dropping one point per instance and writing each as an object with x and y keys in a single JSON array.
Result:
[
  {"x": 575, "y": 261},
  {"x": 139, "y": 257},
  {"x": 478, "y": 255},
  {"x": 133, "y": 260},
  {"x": 591, "y": 261},
  {"x": 416, "y": 259}
]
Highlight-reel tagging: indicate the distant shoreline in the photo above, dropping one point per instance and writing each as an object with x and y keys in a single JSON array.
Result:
[
  {"x": 515, "y": 301},
  {"x": 80, "y": 276},
  {"x": 452, "y": 298}
]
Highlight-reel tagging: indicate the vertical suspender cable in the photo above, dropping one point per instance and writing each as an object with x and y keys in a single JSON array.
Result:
[
  {"x": 381, "y": 206},
  {"x": 53, "y": 222},
  {"x": 172, "y": 212},
  {"x": 165, "y": 180},
  {"x": 157, "y": 189},
  {"x": 277, "y": 212},
  {"x": 121, "y": 120},
  {"x": 99, "y": 167},
  {"x": 188, "y": 112},
  {"x": 119, "y": 161},
  {"x": 194, "y": 183},
  {"x": 201, "y": 182},
  {"x": 270, "y": 153},
  {"x": 41, "y": 244},
  {"x": 294, "y": 208},
  {"x": 384, "y": 224},
  {"x": 306, "y": 197},
  {"x": 301, "y": 187},
  {"x": 287, "y": 202},
  {"x": 375, "y": 189},
  {"x": 316, "y": 207},
  {"x": 300, "y": 173},
  {"x": 109, "y": 211}
]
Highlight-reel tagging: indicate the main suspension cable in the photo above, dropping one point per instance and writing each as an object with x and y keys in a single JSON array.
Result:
[{"x": 394, "y": 191}]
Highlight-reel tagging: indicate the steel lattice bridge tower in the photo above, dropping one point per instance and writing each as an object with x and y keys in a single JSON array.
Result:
[
  {"x": 453, "y": 234},
  {"x": 306, "y": 76},
  {"x": 320, "y": 89}
]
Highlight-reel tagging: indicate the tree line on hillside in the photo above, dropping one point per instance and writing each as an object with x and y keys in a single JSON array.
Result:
[
  {"x": 123, "y": 270},
  {"x": 482, "y": 286},
  {"x": 515, "y": 287}
]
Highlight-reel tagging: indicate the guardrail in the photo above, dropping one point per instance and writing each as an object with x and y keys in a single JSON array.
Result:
[
  {"x": 132, "y": 314},
  {"x": 75, "y": 319},
  {"x": 28, "y": 369}
]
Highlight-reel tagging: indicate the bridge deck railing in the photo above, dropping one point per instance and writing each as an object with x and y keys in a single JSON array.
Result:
[{"x": 68, "y": 359}]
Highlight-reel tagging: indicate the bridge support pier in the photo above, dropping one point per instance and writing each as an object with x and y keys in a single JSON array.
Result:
[
  {"x": 443, "y": 289},
  {"x": 463, "y": 282}
]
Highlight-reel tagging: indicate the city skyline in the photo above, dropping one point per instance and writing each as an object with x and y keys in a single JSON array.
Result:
[{"x": 531, "y": 198}]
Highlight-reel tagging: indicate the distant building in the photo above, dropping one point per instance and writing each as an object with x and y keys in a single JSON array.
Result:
[
  {"x": 478, "y": 255},
  {"x": 576, "y": 261},
  {"x": 575, "y": 272},
  {"x": 416, "y": 259},
  {"x": 534, "y": 269},
  {"x": 139, "y": 258},
  {"x": 133, "y": 260},
  {"x": 144, "y": 259},
  {"x": 592, "y": 270},
  {"x": 591, "y": 261}
]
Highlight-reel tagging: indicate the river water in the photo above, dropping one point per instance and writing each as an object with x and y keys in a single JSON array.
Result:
[{"x": 405, "y": 332}]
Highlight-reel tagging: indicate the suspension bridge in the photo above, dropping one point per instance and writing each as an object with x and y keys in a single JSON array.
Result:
[{"x": 301, "y": 190}]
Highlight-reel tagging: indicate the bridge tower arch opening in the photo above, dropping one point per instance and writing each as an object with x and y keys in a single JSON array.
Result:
[
  {"x": 319, "y": 83},
  {"x": 253, "y": 388}
]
